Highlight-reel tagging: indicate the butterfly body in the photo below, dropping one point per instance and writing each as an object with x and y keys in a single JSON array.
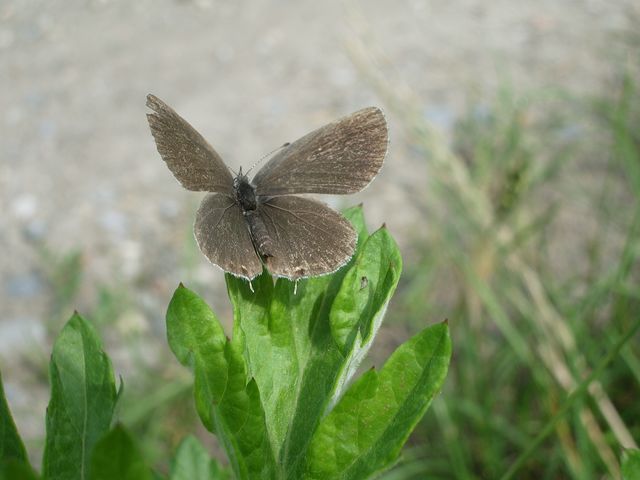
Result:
[{"x": 242, "y": 225}]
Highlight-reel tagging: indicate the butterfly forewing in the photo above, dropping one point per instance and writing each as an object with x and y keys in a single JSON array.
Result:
[
  {"x": 222, "y": 235},
  {"x": 195, "y": 164},
  {"x": 339, "y": 158},
  {"x": 308, "y": 238}
]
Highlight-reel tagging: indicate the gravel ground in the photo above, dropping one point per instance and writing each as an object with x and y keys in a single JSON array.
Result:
[{"x": 79, "y": 170}]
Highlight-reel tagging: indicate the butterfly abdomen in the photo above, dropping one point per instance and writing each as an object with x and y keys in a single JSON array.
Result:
[{"x": 259, "y": 234}]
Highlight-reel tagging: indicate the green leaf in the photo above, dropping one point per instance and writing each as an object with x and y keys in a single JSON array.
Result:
[
  {"x": 11, "y": 446},
  {"x": 192, "y": 462},
  {"x": 366, "y": 289},
  {"x": 366, "y": 430},
  {"x": 83, "y": 397},
  {"x": 14, "y": 464},
  {"x": 631, "y": 464},
  {"x": 117, "y": 457},
  {"x": 227, "y": 401},
  {"x": 278, "y": 328},
  {"x": 241, "y": 424},
  {"x": 355, "y": 215},
  {"x": 13, "y": 469},
  {"x": 198, "y": 341},
  {"x": 361, "y": 302}
]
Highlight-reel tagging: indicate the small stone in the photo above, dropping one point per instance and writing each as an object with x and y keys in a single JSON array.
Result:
[
  {"x": 132, "y": 323},
  {"x": 6, "y": 38},
  {"x": 169, "y": 209},
  {"x": 115, "y": 222},
  {"x": 20, "y": 334},
  {"x": 26, "y": 285},
  {"x": 24, "y": 206},
  {"x": 131, "y": 252},
  {"x": 35, "y": 230},
  {"x": 440, "y": 116}
]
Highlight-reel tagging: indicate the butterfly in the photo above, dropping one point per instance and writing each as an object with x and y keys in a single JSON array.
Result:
[{"x": 243, "y": 225}]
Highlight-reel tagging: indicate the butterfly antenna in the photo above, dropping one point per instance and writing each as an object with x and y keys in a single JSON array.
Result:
[{"x": 284, "y": 145}]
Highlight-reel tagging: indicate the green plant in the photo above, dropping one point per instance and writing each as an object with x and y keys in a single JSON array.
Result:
[
  {"x": 631, "y": 465},
  {"x": 276, "y": 395}
]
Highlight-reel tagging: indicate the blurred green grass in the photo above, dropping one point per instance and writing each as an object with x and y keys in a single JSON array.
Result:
[{"x": 532, "y": 251}]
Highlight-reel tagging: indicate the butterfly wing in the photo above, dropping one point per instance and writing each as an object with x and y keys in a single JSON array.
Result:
[
  {"x": 341, "y": 157},
  {"x": 222, "y": 235},
  {"x": 308, "y": 238},
  {"x": 195, "y": 164}
]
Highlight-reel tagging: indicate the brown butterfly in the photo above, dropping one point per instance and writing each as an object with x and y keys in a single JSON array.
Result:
[{"x": 243, "y": 224}]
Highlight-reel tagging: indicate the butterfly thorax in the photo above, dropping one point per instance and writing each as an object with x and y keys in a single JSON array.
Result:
[{"x": 245, "y": 193}]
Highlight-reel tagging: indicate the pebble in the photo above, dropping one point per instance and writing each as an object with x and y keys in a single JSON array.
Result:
[
  {"x": 6, "y": 38},
  {"x": 24, "y": 206},
  {"x": 35, "y": 230},
  {"x": 131, "y": 253},
  {"x": 114, "y": 222},
  {"x": 169, "y": 209},
  {"x": 20, "y": 334},
  {"x": 441, "y": 116},
  {"x": 26, "y": 285}
]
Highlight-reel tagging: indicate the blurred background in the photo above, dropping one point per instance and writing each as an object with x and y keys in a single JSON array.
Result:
[{"x": 512, "y": 186}]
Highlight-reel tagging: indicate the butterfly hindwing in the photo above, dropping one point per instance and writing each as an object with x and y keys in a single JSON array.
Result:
[
  {"x": 307, "y": 237},
  {"x": 222, "y": 235}
]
